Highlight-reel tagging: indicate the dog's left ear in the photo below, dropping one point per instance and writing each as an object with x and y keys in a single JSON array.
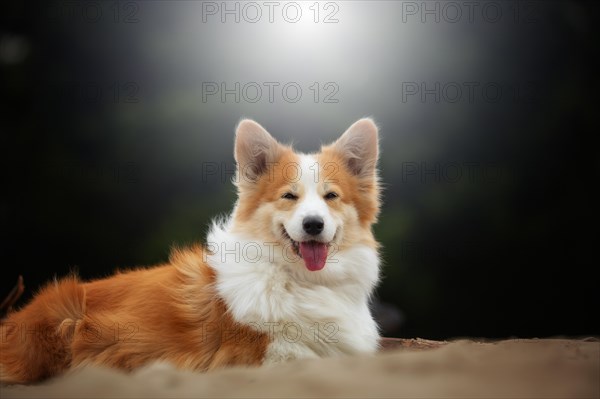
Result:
[
  {"x": 359, "y": 146},
  {"x": 255, "y": 150}
]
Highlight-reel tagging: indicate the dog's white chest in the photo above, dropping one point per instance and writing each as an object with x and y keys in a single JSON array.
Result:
[
  {"x": 306, "y": 314},
  {"x": 327, "y": 336}
]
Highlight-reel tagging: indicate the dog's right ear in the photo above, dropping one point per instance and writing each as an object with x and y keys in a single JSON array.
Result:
[{"x": 255, "y": 150}]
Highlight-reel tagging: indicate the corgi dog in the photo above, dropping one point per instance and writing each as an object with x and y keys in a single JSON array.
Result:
[{"x": 288, "y": 275}]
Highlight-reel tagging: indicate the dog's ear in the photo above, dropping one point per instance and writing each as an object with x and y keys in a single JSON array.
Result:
[
  {"x": 255, "y": 150},
  {"x": 359, "y": 147}
]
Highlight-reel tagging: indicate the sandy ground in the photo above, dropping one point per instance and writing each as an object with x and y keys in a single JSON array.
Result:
[{"x": 549, "y": 368}]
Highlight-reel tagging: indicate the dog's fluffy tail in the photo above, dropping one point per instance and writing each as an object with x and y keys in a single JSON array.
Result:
[{"x": 35, "y": 342}]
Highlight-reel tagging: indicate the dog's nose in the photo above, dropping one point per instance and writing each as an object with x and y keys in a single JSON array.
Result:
[{"x": 313, "y": 225}]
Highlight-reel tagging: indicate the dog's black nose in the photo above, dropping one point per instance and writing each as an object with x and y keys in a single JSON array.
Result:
[{"x": 313, "y": 225}]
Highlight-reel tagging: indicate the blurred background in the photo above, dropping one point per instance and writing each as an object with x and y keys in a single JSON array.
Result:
[{"x": 117, "y": 122}]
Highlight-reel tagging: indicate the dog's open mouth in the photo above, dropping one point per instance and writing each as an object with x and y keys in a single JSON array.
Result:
[{"x": 313, "y": 253}]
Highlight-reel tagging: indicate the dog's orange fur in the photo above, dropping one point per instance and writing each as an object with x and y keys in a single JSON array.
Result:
[
  {"x": 170, "y": 312},
  {"x": 268, "y": 186},
  {"x": 361, "y": 193}
]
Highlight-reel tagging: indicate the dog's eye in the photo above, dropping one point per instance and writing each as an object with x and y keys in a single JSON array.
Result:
[
  {"x": 289, "y": 196},
  {"x": 330, "y": 195}
]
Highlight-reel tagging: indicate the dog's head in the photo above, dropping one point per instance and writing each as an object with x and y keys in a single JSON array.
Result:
[{"x": 308, "y": 204}]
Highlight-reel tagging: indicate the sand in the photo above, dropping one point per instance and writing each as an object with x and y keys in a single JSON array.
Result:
[{"x": 545, "y": 368}]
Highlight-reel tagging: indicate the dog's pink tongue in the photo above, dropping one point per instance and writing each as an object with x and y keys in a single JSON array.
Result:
[{"x": 314, "y": 254}]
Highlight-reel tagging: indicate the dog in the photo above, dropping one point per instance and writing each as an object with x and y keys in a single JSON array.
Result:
[{"x": 288, "y": 275}]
